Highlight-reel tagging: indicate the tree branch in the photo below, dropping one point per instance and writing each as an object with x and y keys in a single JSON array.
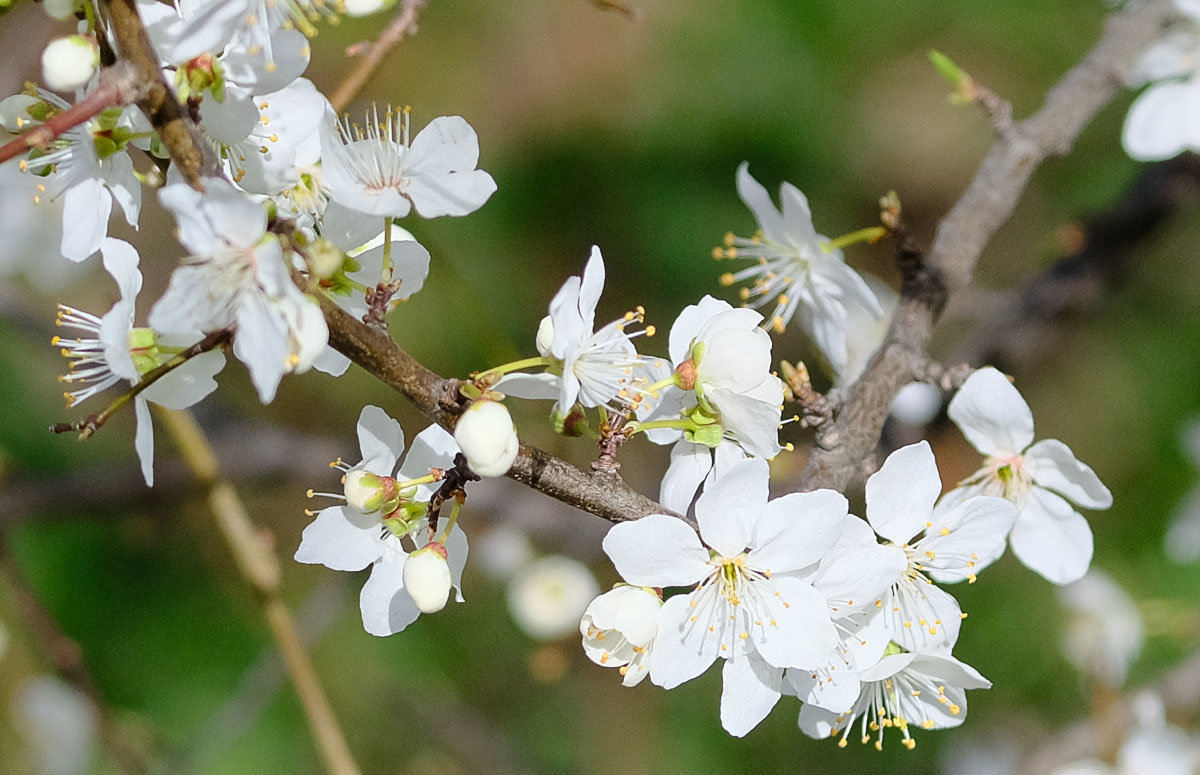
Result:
[
  {"x": 260, "y": 568},
  {"x": 603, "y": 494},
  {"x": 182, "y": 137},
  {"x": 962, "y": 234},
  {"x": 404, "y": 23}
]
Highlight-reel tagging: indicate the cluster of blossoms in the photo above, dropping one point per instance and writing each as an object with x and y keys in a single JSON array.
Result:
[
  {"x": 303, "y": 194},
  {"x": 799, "y": 597}
]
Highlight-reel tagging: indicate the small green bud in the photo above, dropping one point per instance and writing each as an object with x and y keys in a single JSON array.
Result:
[
  {"x": 324, "y": 258},
  {"x": 708, "y": 435}
]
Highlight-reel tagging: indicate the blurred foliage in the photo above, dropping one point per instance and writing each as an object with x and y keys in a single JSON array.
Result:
[{"x": 600, "y": 131}]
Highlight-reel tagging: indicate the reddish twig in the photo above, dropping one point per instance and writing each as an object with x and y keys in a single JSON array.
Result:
[{"x": 118, "y": 86}]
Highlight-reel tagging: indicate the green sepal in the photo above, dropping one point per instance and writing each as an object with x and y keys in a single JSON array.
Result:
[{"x": 708, "y": 435}]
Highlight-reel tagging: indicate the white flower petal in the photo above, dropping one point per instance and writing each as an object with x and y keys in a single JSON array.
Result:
[
  {"x": 380, "y": 439},
  {"x": 386, "y": 608},
  {"x": 1054, "y": 466},
  {"x": 797, "y": 529},
  {"x": 992, "y": 414},
  {"x": 456, "y": 193},
  {"x": 657, "y": 551},
  {"x": 1051, "y": 538},
  {"x": 688, "y": 324},
  {"x": 974, "y": 538},
  {"x": 754, "y": 423},
  {"x": 683, "y": 649},
  {"x": 759, "y": 201},
  {"x": 799, "y": 633},
  {"x": 690, "y": 463},
  {"x": 531, "y": 386},
  {"x": 341, "y": 538},
  {"x": 261, "y": 343},
  {"x": 1162, "y": 121},
  {"x": 86, "y": 207},
  {"x": 901, "y": 494},
  {"x": 750, "y": 689},
  {"x": 189, "y": 384},
  {"x": 729, "y": 508},
  {"x": 144, "y": 439}
]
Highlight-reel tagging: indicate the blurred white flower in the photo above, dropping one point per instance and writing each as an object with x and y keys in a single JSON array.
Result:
[
  {"x": 1182, "y": 541},
  {"x": 502, "y": 550},
  {"x": 917, "y": 404},
  {"x": 547, "y": 597},
  {"x": 58, "y": 723},
  {"x": 1104, "y": 630}
]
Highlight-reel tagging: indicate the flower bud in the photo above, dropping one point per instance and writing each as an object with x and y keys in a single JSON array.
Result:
[
  {"x": 59, "y": 9},
  {"x": 545, "y": 336},
  {"x": 486, "y": 435},
  {"x": 324, "y": 258},
  {"x": 366, "y": 7},
  {"x": 685, "y": 374},
  {"x": 68, "y": 63},
  {"x": 427, "y": 577},
  {"x": 365, "y": 491}
]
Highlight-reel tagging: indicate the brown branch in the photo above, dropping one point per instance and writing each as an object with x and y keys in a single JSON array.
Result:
[
  {"x": 66, "y": 660},
  {"x": 260, "y": 568},
  {"x": 118, "y": 85},
  {"x": 404, "y": 23},
  {"x": 1096, "y": 262},
  {"x": 178, "y": 132},
  {"x": 928, "y": 280},
  {"x": 604, "y": 494}
]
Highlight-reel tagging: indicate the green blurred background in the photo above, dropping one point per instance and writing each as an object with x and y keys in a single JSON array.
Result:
[{"x": 626, "y": 135}]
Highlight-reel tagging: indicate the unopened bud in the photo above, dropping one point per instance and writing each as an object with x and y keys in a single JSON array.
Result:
[
  {"x": 59, "y": 9},
  {"x": 486, "y": 435},
  {"x": 68, "y": 63},
  {"x": 324, "y": 258},
  {"x": 685, "y": 374},
  {"x": 366, "y": 7},
  {"x": 365, "y": 491},
  {"x": 545, "y": 336},
  {"x": 427, "y": 577}
]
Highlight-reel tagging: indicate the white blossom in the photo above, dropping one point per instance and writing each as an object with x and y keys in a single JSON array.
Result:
[
  {"x": 1182, "y": 540},
  {"x": 595, "y": 368},
  {"x": 88, "y": 166},
  {"x": 427, "y": 578},
  {"x": 113, "y": 351},
  {"x": 925, "y": 689},
  {"x": 796, "y": 269},
  {"x": 547, "y": 596},
  {"x": 1049, "y": 536},
  {"x": 343, "y": 538},
  {"x": 1162, "y": 121},
  {"x": 236, "y": 276},
  {"x": 1104, "y": 630},
  {"x": 952, "y": 545},
  {"x": 744, "y": 604},
  {"x": 618, "y": 630},
  {"x": 377, "y": 171}
]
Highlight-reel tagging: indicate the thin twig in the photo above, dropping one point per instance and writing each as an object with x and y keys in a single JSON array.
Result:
[
  {"x": 260, "y": 568},
  {"x": 963, "y": 233},
  {"x": 118, "y": 85},
  {"x": 93, "y": 422},
  {"x": 66, "y": 660},
  {"x": 404, "y": 23},
  {"x": 605, "y": 495}
]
